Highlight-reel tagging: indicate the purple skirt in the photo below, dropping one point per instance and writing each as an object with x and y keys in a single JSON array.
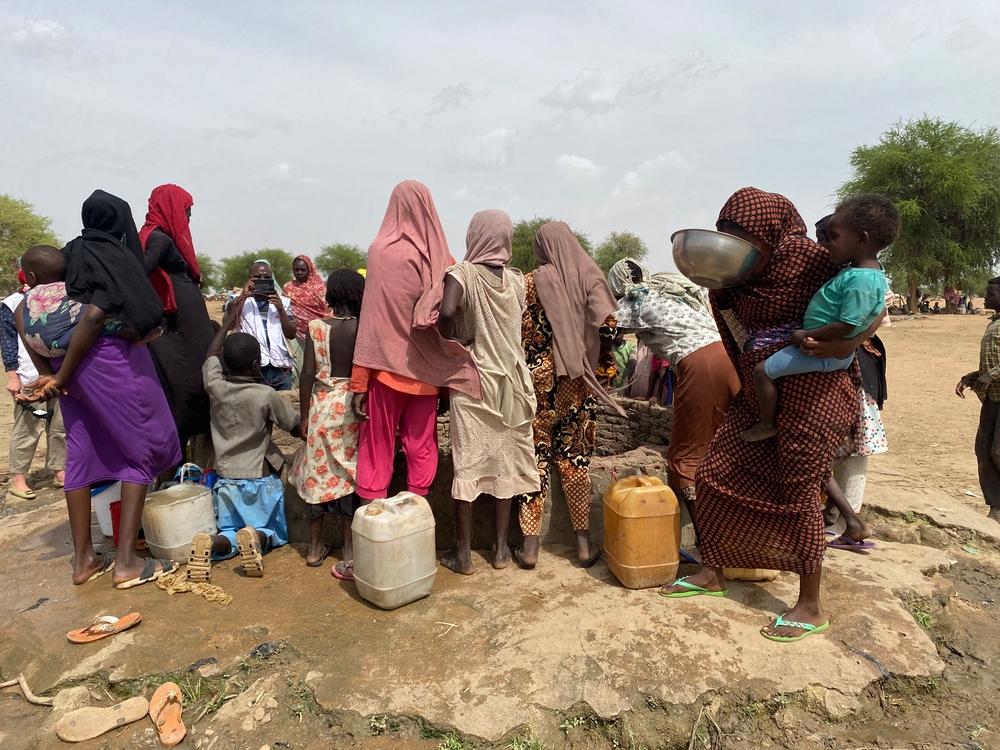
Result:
[{"x": 118, "y": 423}]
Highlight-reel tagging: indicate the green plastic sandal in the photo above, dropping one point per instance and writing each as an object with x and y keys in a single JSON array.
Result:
[
  {"x": 807, "y": 628},
  {"x": 692, "y": 590}
]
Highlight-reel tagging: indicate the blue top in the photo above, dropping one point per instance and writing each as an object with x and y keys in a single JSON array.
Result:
[
  {"x": 855, "y": 296},
  {"x": 8, "y": 338}
]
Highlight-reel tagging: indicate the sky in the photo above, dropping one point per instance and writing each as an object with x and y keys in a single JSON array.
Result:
[{"x": 290, "y": 122}]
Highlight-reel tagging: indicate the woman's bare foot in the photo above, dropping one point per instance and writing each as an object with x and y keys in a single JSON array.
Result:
[
  {"x": 19, "y": 482},
  {"x": 501, "y": 556},
  {"x": 799, "y": 613},
  {"x": 84, "y": 568},
  {"x": 858, "y": 530},
  {"x": 758, "y": 432},
  {"x": 458, "y": 562},
  {"x": 123, "y": 574},
  {"x": 710, "y": 579}
]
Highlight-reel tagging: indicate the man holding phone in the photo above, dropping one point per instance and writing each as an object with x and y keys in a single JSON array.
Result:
[{"x": 267, "y": 317}]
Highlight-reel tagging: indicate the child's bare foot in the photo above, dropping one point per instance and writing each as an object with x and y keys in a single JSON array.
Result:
[
  {"x": 995, "y": 514},
  {"x": 459, "y": 562},
  {"x": 758, "y": 432},
  {"x": 858, "y": 530},
  {"x": 317, "y": 554},
  {"x": 501, "y": 556}
]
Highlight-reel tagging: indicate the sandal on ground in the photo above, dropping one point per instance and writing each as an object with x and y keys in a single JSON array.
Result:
[
  {"x": 165, "y": 709},
  {"x": 516, "y": 554},
  {"x": 28, "y": 494},
  {"x": 199, "y": 569},
  {"x": 807, "y": 629},
  {"x": 589, "y": 562},
  {"x": 344, "y": 570},
  {"x": 151, "y": 570},
  {"x": 93, "y": 721},
  {"x": 327, "y": 549},
  {"x": 251, "y": 560},
  {"x": 107, "y": 563},
  {"x": 102, "y": 627},
  {"x": 851, "y": 545},
  {"x": 691, "y": 590}
]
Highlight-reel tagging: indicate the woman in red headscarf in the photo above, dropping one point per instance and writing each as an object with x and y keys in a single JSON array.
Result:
[
  {"x": 307, "y": 291},
  {"x": 173, "y": 269},
  {"x": 758, "y": 503}
]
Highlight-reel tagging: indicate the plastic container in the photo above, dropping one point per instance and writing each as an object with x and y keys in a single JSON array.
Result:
[
  {"x": 101, "y": 498},
  {"x": 174, "y": 515},
  {"x": 642, "y": 532},
  {"x": 394, "y": 555},
  {"x": 116, "y": 519}
]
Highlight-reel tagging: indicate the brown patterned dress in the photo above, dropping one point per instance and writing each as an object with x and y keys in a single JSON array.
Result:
[
  {"x": 758, "y": 503},
  {"x": 565, "y": 428}
]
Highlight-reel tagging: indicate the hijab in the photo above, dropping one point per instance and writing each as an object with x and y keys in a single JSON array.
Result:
[
  {"x": 404, "y": 286},
  {"x": 488, "y": 241},
  {"x": 168, "y": 206},
  {"x": 674, "y": 285},
  {"x": 577, "y": 301},
  {"x": 308, "y": 297},
  {"x": 104, "y": 265}
]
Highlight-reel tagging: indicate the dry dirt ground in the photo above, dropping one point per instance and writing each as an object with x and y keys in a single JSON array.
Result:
[{"x": 559, "y": 658}]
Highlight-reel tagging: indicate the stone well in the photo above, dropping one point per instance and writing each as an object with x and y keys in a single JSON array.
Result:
[{"x": 633, "y": 444}]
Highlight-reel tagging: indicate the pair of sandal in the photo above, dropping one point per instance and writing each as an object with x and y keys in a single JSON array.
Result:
[
  {"x": 165, "y": 709},
  {"x": 199, "y": 568}
]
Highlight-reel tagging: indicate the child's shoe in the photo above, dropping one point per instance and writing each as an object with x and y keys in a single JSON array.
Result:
[
  {"x": 251, "y": 560},
  {"x": 199, "y": 568}
]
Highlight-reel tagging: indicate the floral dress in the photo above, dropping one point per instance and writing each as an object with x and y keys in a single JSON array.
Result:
[{"x": 325, "y": 466}]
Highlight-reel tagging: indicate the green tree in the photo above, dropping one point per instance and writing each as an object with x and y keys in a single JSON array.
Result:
[
  {"x": 523, "y": 250},
  {"x": 945, "y": 180},
  {"x": 20, "y": 228},
  {"x": 340, "y": 255},
  {"x": 236, "y": 269},
  {"x": 211, "y": 271},
  {"x": 619, "y": 245}
]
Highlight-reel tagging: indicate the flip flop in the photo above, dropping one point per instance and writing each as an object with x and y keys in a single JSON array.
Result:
[
  {"x": 851, "y": 545},
  {"x": 516, "y": 553},
  {"x": 93, "y": 721},
  {"x": 108, "y": 564},
  {"x": 692, "y": 590},
  {"x": 806, "y": 628},
  {"x": 28, "y": 494},
  {"x": 327, "y": 549},
  {"x": 58, "y": 484},
  {"x": 343, "y": 571},
  {"x": 251, "y": 560},
  {"x": 199, "y": 569},
  {"x": 589, "y": 562},
  {"x": 150, "y": 572},
  {"x": 104, "y": 626},
  {"x": 165, "y": 709}
]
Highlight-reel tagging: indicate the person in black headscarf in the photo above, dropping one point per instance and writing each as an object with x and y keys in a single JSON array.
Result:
[{"x": 118, "y": 423}]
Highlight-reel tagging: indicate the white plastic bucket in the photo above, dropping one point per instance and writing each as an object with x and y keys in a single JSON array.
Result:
[
  {"x": 173, "y": 516},
  {"x": 101, "y": 503}
]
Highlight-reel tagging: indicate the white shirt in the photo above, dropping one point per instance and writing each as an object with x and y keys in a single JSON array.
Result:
[
  {"x": 25, "y": 367},
  {"x": 273, "y": 344}
]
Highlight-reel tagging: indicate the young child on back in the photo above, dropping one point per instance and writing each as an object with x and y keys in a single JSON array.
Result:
[
  {"x": 249, "y": 497},
  {"x": 324, "y": 469},
  {"x": 844, "y": 307},
  {"x": 49, "y": 315}
]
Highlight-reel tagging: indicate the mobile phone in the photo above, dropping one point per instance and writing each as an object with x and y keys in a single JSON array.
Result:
[{"x": 263, "y": 287}]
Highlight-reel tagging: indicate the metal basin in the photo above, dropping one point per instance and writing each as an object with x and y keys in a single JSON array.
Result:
[{"x": 715, "y": 260}]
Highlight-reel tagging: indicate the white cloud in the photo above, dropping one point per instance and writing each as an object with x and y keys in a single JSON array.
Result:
[
  {"x": 653, "y": 81},
  {"x": 487, "y": 152},
  {"x": 454, "y": 96},
  {"x": 571, "y": 165},
  {"x": 590, "y": 91},
  {"x": 37, "y": 37},
  {"x": 283, "y": 173},
  {"x": 651, "y": 177}
]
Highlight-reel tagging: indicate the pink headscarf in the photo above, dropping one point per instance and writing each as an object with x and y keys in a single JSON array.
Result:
[
  {"x": 308, "y": 298},
  {"x": 403, "y": 291},
  {"x": 489, "y": 238}
]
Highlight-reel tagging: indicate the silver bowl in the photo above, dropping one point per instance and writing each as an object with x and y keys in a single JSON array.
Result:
[{"x": 714, "y": 259}]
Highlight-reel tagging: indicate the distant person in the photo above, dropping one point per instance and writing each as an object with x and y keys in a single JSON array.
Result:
[
  {"x": 86, "y": 337},
  {"x": 267, "y": 316},
  {"x": 173, "y": 269},
  {"x": 325, "y": 469},
  {"x": 625, "y": 360},
  {"x": 31, "y": 421},
  {"x": 249, "y": 495},
  {"x": 985, "y": 382},
  {"x": 843, "y": 308},
  {"x": 307, "y": 291}
]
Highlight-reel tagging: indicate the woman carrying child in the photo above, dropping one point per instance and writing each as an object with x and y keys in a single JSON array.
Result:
[
  {"x": 87, "y": 342},
  {"x": 401, "y": 360},
  {"x": 491, "y": 438},
  {"x": 325, "y": 467}
]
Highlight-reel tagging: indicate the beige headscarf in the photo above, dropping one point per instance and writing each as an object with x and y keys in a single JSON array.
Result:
[
  {"x": 672, "y": 284},
  {"x": 488, "y": 241},
  {"x": 577, "y": 300}
]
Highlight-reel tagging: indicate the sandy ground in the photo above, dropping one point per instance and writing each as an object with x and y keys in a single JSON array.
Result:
[{"x": 572, "y": 660}]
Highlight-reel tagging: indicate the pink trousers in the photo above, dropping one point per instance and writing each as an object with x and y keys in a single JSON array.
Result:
[{"x": 416, "y": 419}]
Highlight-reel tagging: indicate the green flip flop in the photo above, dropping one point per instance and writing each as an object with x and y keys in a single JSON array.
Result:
[
  {"x": 807, "y": 628},
  {"x": 692, "y": 590}
]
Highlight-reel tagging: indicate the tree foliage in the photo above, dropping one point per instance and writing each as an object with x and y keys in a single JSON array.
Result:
[
  {"x": 20, "y": 229},
  {"x": 211, "y": 272},
  {"x": 617, "y": 246},
  {"x": 945, "y": 180},
  {"x": 523, "y": 251},
  {"x": 341, "y": 255},
  {"x": 236, "y": 269}
]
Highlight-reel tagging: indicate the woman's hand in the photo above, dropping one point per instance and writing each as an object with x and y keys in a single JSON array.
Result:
[
  {"x": 46, "y": 387},
  {"x": 359, "y": 404},
  {"x": 827, "y": 349},
  {"x": 798, "y": 337}
]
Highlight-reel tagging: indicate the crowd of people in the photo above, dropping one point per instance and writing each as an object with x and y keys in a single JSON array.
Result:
[{"x": 121, "y": 348}]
